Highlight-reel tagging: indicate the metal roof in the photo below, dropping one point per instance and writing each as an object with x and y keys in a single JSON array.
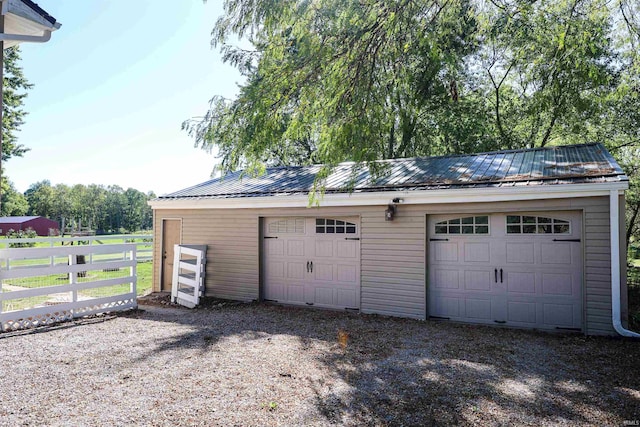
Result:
[
  {"x": 585, "y": 163},
  {"x": 16, "y": 219},
  {"x": 40, "y": 11}
]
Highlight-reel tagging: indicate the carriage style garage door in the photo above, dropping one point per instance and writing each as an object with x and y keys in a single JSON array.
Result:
[
  {"x": 518, "y": 269},
  {"x": 312, "y": 261}
]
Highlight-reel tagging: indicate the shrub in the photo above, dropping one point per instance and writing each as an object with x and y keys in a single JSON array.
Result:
[{"x": 29, "y": 233}]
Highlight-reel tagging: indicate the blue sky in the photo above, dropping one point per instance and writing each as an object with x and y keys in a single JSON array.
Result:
[{"x": 112, "y": 88}]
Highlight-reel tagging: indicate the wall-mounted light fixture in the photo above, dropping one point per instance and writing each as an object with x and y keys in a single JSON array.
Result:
[{"x": 389, "y": 212}]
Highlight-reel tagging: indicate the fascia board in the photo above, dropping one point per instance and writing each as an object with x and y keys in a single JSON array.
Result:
[{"x": 466, "y": 195}]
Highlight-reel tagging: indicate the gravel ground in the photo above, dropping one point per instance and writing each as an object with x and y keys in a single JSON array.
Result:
[{"x": 269, "y": 365}]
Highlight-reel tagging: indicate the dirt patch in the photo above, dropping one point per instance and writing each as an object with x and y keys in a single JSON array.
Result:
[{"x": 263, "y": 365}]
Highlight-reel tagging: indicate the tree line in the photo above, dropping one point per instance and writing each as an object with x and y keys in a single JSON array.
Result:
[
  {"x": 331, "y": 81},
  {"x": 104, "y": 209}
]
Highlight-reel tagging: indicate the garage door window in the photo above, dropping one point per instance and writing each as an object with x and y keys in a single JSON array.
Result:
[
  {"x": 289, "y": 225},
  {"x": 334, "y": 226},
  {"x": 466, "y": 225},
  {"x": 521, "y": 224}
]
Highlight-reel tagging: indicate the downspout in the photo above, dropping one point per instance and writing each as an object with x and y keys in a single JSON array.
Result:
[{"x": 614, "y": 227}]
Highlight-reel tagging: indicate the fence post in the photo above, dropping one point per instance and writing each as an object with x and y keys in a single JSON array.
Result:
[
  {"x": 73, "y": 278},
  {"x": 53, "y": 258},
  {"x": 133, "y": 271}
]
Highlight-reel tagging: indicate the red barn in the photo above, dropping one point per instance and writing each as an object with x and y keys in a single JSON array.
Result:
[{"x": 39, "y": 224}]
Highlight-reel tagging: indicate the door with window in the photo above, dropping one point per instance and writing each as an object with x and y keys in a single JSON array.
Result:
[
  {"x": 520, "y": 269},
  {"x": 312, "y": 261}
]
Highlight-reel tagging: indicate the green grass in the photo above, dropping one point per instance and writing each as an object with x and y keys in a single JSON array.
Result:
[{"x": 22, "y": 303}]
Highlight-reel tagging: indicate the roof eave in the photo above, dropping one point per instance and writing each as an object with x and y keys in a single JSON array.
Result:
[{"x": 461, "y": 195}]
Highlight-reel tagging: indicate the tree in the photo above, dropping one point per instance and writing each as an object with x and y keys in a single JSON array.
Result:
[
  {"x": 333, "y": 80},
  {"x": 42, "y": 199},
  {"x": 15, "y": 87},
  {"x": 330, "y": 81}
]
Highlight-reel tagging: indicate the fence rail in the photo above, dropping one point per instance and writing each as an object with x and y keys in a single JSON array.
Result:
[{"x": 31, "y": 293}]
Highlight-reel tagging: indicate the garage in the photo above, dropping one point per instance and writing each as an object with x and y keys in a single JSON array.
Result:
[
  {"x": 516, "y": 269},
  {"x": 312, "y": 261},
  {"x": 530, "y": 238}
]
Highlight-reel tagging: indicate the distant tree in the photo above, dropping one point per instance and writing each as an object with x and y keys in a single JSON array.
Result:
[
  {"x": 42, "y": 199},
  {"x": 134, "y": 213},
  {"x": 13, "y": 202}
]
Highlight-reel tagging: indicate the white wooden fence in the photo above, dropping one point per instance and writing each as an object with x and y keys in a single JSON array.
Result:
[
  {"x": 143, "y": 242},
  {"x": 105, "y": 283}
]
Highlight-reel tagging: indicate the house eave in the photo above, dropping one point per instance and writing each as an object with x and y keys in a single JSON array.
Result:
[{"x": 462, "y": 195}]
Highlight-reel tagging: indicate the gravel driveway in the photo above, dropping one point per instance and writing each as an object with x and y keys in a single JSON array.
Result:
[{"x": 269, "y": 365}]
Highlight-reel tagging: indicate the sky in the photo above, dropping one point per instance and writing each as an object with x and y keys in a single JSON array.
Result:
[{"x": 111, "y": 90}]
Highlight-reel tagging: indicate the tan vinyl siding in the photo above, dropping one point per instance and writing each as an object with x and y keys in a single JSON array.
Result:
[{"x": 393, "y": 253}]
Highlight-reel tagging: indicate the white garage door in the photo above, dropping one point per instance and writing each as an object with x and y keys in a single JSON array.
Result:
[
  {"x": 312, "y": 261},
  {"x": 520, "y": 269}
]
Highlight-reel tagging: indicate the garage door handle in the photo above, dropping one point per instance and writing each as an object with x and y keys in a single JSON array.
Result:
[
  {"x": 270, "y": 237},
  {"x": 438, "y": 240},
  {"x": 312, "y": 266},
  {"x": 495, "y": 272},
  {"x": 500, "y": 275},
  {"x": 566, "y": 240},
  {"x": 307, "y": 266}
]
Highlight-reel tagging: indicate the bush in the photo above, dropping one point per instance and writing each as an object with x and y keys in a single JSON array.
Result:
[{"x": 29, "y": 233}]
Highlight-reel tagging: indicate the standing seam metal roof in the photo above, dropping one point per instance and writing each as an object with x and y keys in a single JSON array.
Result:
[{"x": 585, "y": 163}]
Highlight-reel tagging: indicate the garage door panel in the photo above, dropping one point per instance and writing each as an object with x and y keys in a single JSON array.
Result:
[
  {"x": 295, "y": 294},
  {"x": 447, "y": 279},
  {"x": 275, "y": 270},
  {"x": 563, "y": 315},
  {"x": 346, "y": 298},
  {"x": 347, "y": 249},
  {"x": 323, "y": 272},
  {"x": 480, "y": 309},
  {"x": 476, "y": 251},
  {"x": 275, "y": 247},
  {"x": 275, "y": 292},
  {"x": 521, "y": 282},
  {"x": 323, "y": 296},
  {"x": 295, "y": 248},
  {"x": 324, "y": 248},
  {"x": 477, "y": 280},
  {"x": 347, "y": 274},
  {"x": 557, "y": 284},
  {"x": 521, "y": 312},
  {"x": 445, "y": 306},
  {"x": 445, "y": 251},
  {"x": 520, "y": 253},
  {"x": 295, "y": 270},
  {"x": 557, "y": 253}
]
